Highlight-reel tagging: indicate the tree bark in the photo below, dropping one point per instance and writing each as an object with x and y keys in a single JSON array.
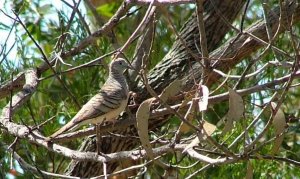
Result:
[
  {"x": 177, "y": 62},
  {"x": 174, "y": 65}
]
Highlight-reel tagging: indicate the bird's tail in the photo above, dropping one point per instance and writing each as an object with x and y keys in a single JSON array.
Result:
[{"x": 68, "y": 127}]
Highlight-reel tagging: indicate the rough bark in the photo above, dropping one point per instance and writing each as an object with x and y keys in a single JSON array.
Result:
[{"x": 174, "y": 65}]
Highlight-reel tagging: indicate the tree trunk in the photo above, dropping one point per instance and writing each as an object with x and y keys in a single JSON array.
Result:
[{"x": 174, "y": 65}]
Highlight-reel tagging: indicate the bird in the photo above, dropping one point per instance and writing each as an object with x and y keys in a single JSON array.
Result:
[{"x": 106, "y": 105}]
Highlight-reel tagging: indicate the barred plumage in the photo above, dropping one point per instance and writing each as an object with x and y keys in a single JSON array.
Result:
[{"x": 110, "y": 101}]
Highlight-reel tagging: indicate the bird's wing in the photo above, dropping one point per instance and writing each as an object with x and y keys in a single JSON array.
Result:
[{"x": 109, "y": 98}]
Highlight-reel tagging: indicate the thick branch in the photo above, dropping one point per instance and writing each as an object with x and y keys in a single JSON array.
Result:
[
  {"x": 5, "y": 89},
  {"x": 15, "y": 84},
  {"x": 247, "y": 43},
  {"x": 177, "y": 63},
  {"x": 31, "y": 82},
  {"x": 174, "y": 65}
]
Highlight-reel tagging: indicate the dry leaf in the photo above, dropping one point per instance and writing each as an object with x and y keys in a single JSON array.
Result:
[
  {"x": 203, "y": 101},
  {"x": 209, "y": 129},
  {"x": 184, "y": 128},
  {"x": 279, "y": 125},
  {"x": 171, "y": 90},
  {"x": 236, "y": 110},
  {"x": 142, "y": 117}
]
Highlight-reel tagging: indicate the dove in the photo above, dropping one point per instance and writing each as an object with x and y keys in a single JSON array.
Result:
[{"x": 107, "y": 104}]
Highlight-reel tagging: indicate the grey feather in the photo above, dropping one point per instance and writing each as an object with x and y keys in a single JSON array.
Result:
[{"x": 107, "y": 103}]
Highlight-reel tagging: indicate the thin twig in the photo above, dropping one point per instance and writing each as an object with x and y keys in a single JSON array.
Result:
[
  {"x": 147, "y": 17},
  {"x": 31, "y": 168},
  {"x": 47, "y": 62},
  {"x": 85, "y": 65}
]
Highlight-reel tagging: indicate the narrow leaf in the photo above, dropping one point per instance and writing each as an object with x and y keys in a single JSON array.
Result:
[
  {"x": 171, "y": 90},
  {"x": 142, "y": 117},
  {"x": 279, "y": 123},
  {"x": 184, "y": 128},
  {"x": 236, "y": 110},
  {"x": 209, "y": 129}
]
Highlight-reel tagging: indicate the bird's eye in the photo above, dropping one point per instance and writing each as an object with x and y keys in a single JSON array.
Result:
[{"x": 120, "y": 63}]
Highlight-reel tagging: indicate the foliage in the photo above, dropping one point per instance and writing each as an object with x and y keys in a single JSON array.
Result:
[{"x": 57, "y": 29}]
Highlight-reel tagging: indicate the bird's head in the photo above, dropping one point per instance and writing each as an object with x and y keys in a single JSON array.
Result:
[{"x": 119, "y": 64}]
